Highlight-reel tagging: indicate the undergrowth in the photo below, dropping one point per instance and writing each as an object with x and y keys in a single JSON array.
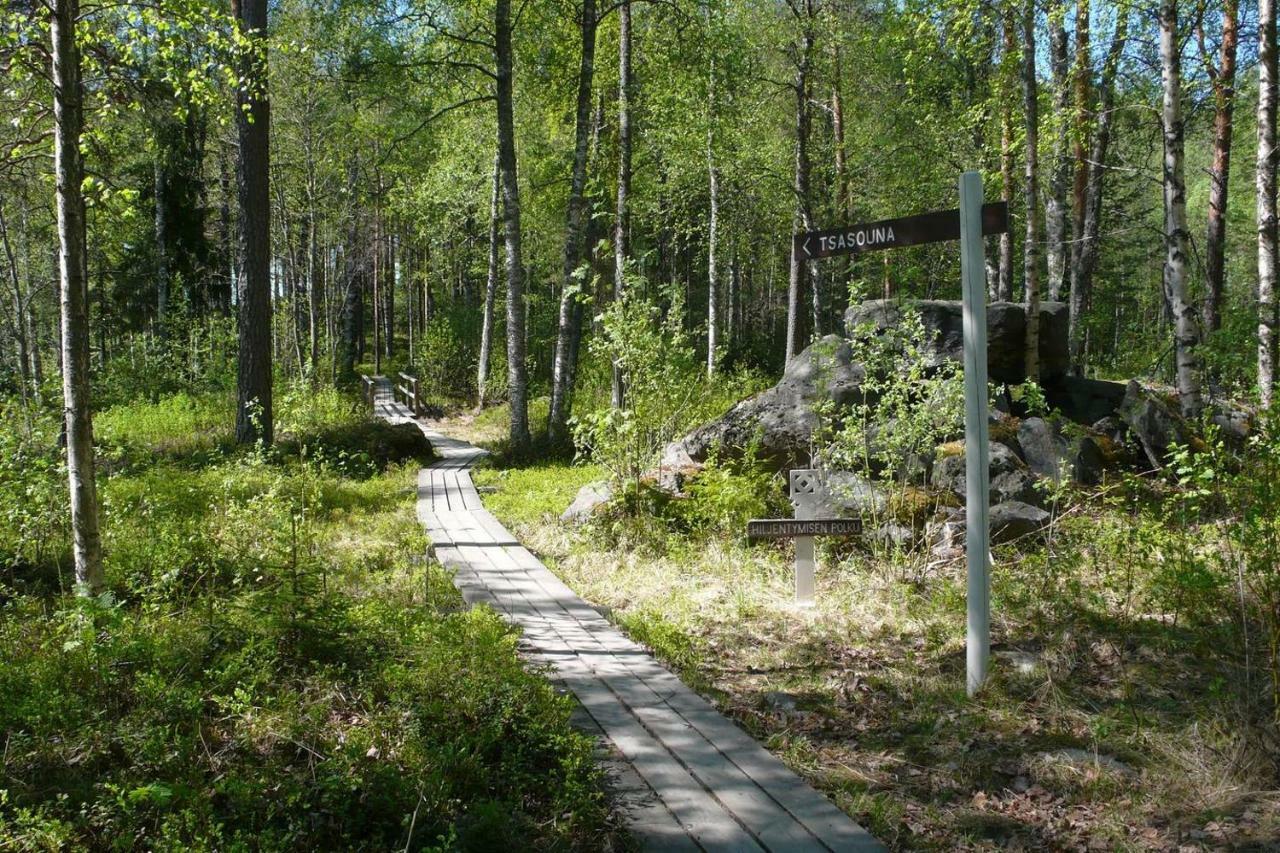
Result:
[{"x": 275, "y": 665}]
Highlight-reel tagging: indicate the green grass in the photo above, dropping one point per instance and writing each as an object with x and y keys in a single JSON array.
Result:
[{"x": 276, "y": 665}]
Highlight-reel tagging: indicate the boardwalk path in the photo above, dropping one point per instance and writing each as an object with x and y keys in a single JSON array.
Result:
[{"x": 706, "y": 784}]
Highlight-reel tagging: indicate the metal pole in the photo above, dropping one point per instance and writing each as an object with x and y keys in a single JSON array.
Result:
[{"x": 977, "y": 521}]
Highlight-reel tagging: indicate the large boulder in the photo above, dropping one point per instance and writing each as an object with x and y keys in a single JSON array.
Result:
[
  {"x": 1009, "y": 478},
  {"x": 1084, "y": 401},
  {"x": 1056, "y": 456},
  {"x": 1153, "y": 422},
  {"x": 1013, "y": 520},
  {"x": 782, "y": 418},
  {"x": 943, "y": 321},
  {"x": 589, "y": 498}
]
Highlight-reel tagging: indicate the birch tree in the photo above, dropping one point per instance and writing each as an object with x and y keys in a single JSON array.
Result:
[
  {"x": 1266, "y": 200},
  {"x": 569, "y": 325},
  {"x": 68, "y": 113},
  {"x": 517, "y": 375},
  {"x": 1031, "y": 182},
  {"x": 1176, "y": 234}
]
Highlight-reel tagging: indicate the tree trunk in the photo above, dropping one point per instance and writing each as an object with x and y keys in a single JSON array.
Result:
[
  {"x": 801, "y": 187},
  {"x": 1177, "y": 237},
  {"x": 1004, "y": 278},
  {"x": 68, "y": 113},
  {"x": 621, "y": 220},
  {"x": 162, "y": 227},
  {"x": 1031, "y": 182},
  {"x": 19, "y": 308},
  {"x": 253, "y": 381},
  {"x": 1055, "y": 203},
  {"x": 1224, "y": 94},
  {"x": 490, "y": 290},
  {"x": 1082, "y": 73},
  {"x": 517, "y": 378},
  {"x": 713, "y": 225},
  {"x": 1266, "y": 200},
  {"x": 1088, "y": 245},
  {"x": 569, "y": 326}
]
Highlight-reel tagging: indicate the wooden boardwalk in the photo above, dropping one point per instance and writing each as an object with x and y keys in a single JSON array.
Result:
[{"x": 693, "y": 780}]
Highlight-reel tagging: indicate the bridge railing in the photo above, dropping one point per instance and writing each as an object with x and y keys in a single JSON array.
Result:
[
  {"x": 370, "y": 389},
  {"x": 409, "y": 391}
]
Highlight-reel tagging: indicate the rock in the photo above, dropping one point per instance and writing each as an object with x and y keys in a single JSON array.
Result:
[
  {"x": 781, "y": 701},
  {"x": 589, "y": 498},
  {"x": 1087, "y": 459},
  {"x": 1152, "y": 422},
  {"x": 1084, "y": 401},
  {"x": 1012, "y": 520},
  {"x": 782, "y": 417},
  {"x": 894, "y": 535},
  {"x": 854, "y": 494},
  {"x": 1022, "y": 662},
  {"x": 1042, "y": 447},
  {"x": 1236, "y": 423},
  {"x": 1009, "y": 478},
  {"x": 1006, "y": 333},
  {"x": 1055, "y": 456},
  {"x": 945, "y": 534},
  {"x": 1085, "y": 758}
]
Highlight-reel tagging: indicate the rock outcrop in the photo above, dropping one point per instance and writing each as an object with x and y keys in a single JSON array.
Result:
[
  {"x": 943, "y": 321},
  {"x": 781, "y": 419}
]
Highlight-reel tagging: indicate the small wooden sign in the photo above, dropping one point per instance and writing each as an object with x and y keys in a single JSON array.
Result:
[
  {"x": 791, "y": 528},
  {"x": 934, "y": 227}
]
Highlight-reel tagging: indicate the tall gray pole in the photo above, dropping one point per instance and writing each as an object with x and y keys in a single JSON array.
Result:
[{"x": 977, "y": 522}]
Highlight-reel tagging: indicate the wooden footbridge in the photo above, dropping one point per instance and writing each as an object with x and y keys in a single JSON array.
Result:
[{"x": 688, "y": 778}]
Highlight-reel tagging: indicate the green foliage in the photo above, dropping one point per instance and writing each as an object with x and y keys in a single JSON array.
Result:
[
  {"x": 275, "y": 667},
  {"x": 729, "y": 491},
  {"x": 661, "y": 381},
  {"x": 909, "y": 407}
]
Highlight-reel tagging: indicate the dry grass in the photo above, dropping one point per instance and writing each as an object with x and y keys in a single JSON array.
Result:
[{"x": 1099, "y": 729}]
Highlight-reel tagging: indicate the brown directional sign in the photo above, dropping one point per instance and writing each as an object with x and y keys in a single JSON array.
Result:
[
  {"x": 892, "y": 233},
  {"x": 790, "y": 528}
]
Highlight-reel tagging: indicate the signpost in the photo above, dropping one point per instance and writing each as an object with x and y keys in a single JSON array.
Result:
[
  {"x": 969, "y": 224},
  {"x": 809, "y": 497},
  {"x": 936, "y": 227}
]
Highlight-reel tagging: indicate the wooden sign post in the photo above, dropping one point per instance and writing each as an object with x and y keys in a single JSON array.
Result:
[
  {"x": 969, "y": 225},
  {"x": 808, "y": 496}
]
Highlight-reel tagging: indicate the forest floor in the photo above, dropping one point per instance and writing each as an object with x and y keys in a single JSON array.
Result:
[
  {"x": 276, "y": 665},
  {"x": 1104, "y": 726}
]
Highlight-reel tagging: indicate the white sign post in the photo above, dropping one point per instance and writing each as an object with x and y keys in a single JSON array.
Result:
[
  {"x": 977, "y": 474},
  {"x": 805, "y": 494}
]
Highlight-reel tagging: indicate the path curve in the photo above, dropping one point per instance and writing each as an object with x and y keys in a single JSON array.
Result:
[{"x": 702, "y": 782}]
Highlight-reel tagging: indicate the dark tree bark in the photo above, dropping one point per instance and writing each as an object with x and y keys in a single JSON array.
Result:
[
  {"x": 622, "y": 222},
  {"x": 490, "y": 290},
  {"x": 1224, "y": 96},
  {"x": 1082, "y": 72},
  {"x": 1031, "y": 186},
  {"x": 1177, "y": 236},
  {"x": 803, "y": 10},
  {"x": 1004, "y": 275},
  {"x": 1088, "y": 244},
  {"x": 569, "y": 327},
  {"x": 517, "y": 376},
  {"x": 68, "y": 110},
  {"x": 1055, "y": 203},
  {"x": 253, "y": 382},
  {"x": 713, "y": 228}
]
